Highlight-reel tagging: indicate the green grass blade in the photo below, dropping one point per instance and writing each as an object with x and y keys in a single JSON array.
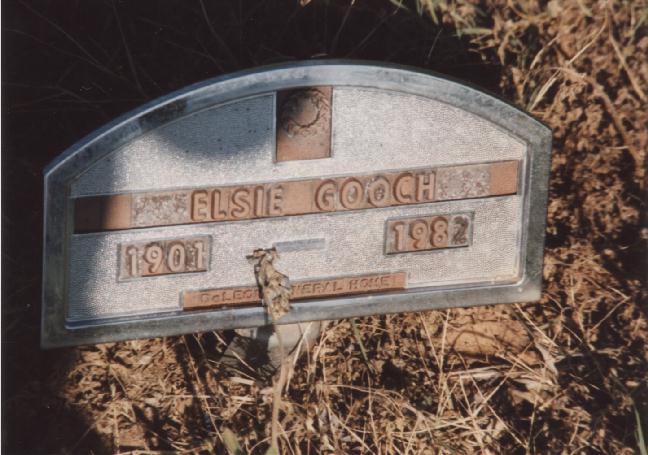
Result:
[
  {"x": 231, "y": 442},
  {"x": 476, "y": 31},
  {"x": 363, "y": 351},
  {"x": 641, "y": 442}
]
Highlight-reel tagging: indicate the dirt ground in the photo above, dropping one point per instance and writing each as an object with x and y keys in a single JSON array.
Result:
[{"x": 564, "y": 375}]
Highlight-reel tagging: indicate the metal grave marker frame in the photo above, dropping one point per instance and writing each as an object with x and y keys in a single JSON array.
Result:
[{"x": 383, "y": 189}]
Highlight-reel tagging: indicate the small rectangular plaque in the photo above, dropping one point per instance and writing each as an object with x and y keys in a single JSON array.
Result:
[
  {"x": 301, "y": 290},
  {"x": 164, "y": 257},
  {"x": 304, "y": 123},
  {"x": 424, "y": 233}
]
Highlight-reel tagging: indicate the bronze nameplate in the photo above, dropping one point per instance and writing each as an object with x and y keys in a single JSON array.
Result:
[
  {"x": 423, "y": 233},
  {"x": 301, "y": 290},
  {"x": 164, "y": 257},
  {"x": 295, "y": 197}
]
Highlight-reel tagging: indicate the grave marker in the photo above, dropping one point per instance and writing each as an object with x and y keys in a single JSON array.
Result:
[{"x": 383, "y": 189}]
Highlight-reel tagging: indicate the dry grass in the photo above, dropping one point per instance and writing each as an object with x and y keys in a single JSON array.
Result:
[{"x": 566, "y": 375}]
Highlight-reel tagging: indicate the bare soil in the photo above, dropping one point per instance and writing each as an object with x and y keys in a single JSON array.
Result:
[{"x": 564, "y": 375}]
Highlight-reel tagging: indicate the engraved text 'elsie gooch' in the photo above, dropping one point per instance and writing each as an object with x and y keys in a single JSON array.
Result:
[{"x": 295, "y": 197}]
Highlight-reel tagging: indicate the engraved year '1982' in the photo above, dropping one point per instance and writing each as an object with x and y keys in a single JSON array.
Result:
[
  {"x": 164, "y": 257},
  {"x": 428, "y": 233}
]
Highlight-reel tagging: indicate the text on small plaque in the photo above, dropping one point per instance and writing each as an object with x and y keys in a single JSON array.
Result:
[
  {"x": 423, "y": 233},
  {"x": 163, "y": 257},
  {"x": 301, "y": 290}
]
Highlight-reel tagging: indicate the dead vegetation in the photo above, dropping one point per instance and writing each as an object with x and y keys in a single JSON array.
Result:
[{"x": 566, "y": 375}]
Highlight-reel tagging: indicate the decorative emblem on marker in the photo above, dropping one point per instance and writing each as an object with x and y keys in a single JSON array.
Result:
[
  {"x": 424, "y": 194},
  {"x": 306, "y": 112},
  {"x": 304, "y": 124}
]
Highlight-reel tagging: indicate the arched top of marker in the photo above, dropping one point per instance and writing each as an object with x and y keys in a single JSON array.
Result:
[{"x": 248, "y": 83}]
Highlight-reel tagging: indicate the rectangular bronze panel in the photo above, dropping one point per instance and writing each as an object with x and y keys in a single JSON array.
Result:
[
  {"x": 504, "y": 178},
  {"x": 164, "y": 257},
  {"x": 301, "y": 290},
  {"x": 432, "y": 232},
  {"x": 303, "y": 119},
  {"x": 102, "y": 213},
  {"x": 297, "y": 197}
]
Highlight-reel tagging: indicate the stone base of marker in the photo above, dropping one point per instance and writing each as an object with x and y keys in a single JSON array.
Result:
[{"x": 260, "y": 346}]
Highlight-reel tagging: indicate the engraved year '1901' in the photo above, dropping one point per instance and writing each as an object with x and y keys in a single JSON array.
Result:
[
  {"x": 164, "y": 257},
  {"x": 428, "y": 233}
]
